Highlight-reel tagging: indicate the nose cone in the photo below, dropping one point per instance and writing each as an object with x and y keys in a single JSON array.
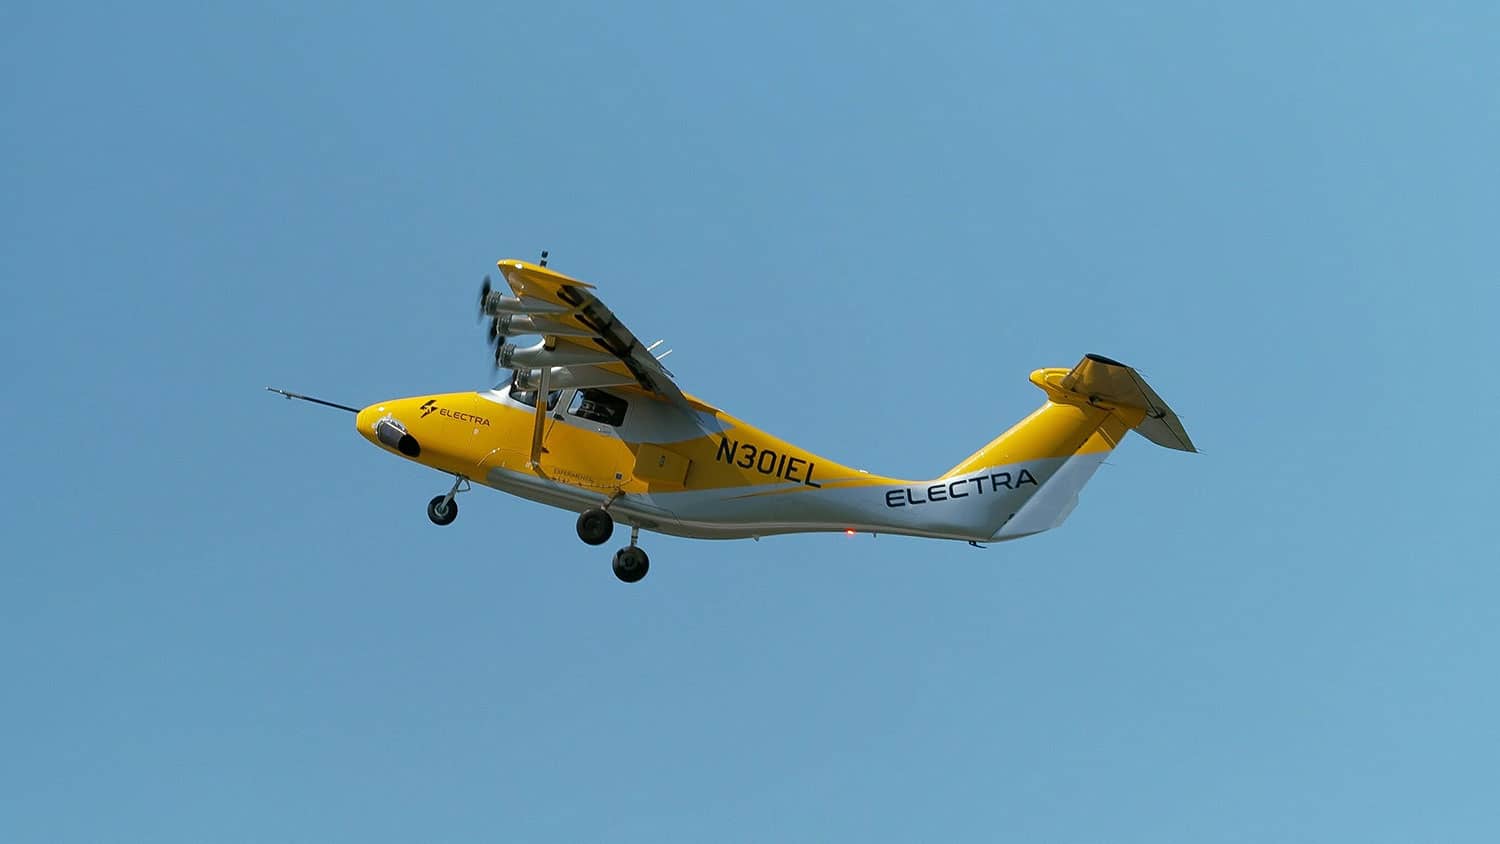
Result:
[
  {"x": 364, "y": 422},
  {"x": 379, "y": 424}
]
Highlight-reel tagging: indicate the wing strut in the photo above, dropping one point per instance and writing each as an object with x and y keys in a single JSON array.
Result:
[{"x": 540, "y": 422}]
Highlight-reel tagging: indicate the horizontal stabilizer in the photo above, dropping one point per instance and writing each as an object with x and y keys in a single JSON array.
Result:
[{"x": 1109, "y": 382}]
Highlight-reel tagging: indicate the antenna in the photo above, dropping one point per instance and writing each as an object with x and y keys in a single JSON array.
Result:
[
  {"x": 544, "y": 258},
  {"x": 291, "y": 396}
]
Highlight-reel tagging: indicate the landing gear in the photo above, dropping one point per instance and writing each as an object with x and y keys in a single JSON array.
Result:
[
  {"x": 442, "y": 510},
  {"x": 631, "y": 563},
  {"x": 595, "y": 526}
]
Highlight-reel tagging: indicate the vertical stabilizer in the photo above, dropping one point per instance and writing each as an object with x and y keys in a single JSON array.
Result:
[{"x": 1089, "y": 410}]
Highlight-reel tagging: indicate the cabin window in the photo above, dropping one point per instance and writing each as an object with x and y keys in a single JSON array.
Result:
[{"x": 598, "y": 406}]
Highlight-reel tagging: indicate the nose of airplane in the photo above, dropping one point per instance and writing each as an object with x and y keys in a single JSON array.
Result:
[
  {"x": 378, "y": 425},
  {"x": 364, "y": 422}
]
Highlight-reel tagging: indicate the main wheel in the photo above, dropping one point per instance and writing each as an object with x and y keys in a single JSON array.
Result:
[
  {"x": 595, "y": 526},
  {"x": 631, "y": 564},
  {"x": 442, "y": 514}
]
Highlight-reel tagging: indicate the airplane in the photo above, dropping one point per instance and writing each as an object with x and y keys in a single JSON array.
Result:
[{"x": 589, "y": 420}]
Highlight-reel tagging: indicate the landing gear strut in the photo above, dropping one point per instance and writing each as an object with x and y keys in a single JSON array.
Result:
[
  {"x": 442, "y": 510},
  {"x": 631, "y": 563}
]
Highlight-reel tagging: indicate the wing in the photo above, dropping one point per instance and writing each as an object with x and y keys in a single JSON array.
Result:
[{"x": 582, "y": 334}]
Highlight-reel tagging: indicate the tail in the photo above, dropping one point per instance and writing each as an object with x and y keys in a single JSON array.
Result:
[{"x": 1046, "y": 458}]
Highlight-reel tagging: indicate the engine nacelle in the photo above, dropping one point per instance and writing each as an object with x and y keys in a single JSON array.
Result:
[
  {"x": 508, "y": 324},
  {"x": 568, "y": 377},
  {"x": 535, "y": 357},
  {"x": 498, "y": 303}
]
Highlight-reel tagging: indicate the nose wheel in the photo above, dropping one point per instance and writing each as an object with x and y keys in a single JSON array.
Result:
[
  {"x": 442, "y": 510},
  {"x": 631, "y": 563}
]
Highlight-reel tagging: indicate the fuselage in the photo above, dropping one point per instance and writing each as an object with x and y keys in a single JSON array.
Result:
[{"x": 710, "y": 476}]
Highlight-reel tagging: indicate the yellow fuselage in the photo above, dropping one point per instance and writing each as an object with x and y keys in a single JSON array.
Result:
[{"x": 707, "y": 474}]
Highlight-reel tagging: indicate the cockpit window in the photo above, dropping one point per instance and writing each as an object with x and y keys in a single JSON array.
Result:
[
  {"x": 528, "y": 397},
  {"x": 598, "y": 406}
]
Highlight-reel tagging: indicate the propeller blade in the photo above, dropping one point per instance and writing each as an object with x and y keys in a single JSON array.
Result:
[
  {"x": 495, "y": 335},
  {"x": 484, "y": 293}
]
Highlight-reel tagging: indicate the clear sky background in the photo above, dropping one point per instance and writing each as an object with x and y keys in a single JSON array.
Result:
[{"x": 225, "y": 617}]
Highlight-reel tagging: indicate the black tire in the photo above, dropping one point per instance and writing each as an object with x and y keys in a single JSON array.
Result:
[
  {"x": 448, "y": 514},
  {"x": 595, "y": 526},
  {"x": 631, "y": 564}
]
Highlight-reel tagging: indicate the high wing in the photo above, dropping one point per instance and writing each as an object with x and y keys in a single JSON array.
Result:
[{"x": 584, "y": 343}]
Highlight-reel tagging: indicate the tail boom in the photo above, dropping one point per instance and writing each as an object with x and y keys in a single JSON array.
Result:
[
  {"x": 1023, "y": 482},
  {"x": 1089, "y": 410}
]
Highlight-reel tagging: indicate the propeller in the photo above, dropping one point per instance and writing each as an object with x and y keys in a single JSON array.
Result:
[{"x": 493, "y": 334}]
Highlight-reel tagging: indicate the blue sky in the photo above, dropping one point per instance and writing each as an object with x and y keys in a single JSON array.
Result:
[{"x": 224, "y": 617}]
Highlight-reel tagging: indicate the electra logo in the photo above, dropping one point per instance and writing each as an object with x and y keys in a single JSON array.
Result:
[
  {"x": 958, "y": 489},
  {"x": 430, "y": 407}
]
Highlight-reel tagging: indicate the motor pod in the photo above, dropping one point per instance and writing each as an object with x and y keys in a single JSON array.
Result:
[
  {"x": 549, "y": 354},
  {"x": 393, "y": 434},
  {"x": 494, "y": 302},
  {"x": 565, "y": 377},
  {"x": 506, "y": 324}
]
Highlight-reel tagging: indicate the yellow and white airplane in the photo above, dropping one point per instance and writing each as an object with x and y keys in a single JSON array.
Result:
[{"x": 590, "y": 421}]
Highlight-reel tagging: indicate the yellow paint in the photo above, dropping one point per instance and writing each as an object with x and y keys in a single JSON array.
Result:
[
  {"x": 660, "y": 467},
  {"x": 1069, "y": 423}
]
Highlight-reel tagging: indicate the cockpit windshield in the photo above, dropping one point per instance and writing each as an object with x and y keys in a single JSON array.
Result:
[{"x": 524, "y": 396}]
